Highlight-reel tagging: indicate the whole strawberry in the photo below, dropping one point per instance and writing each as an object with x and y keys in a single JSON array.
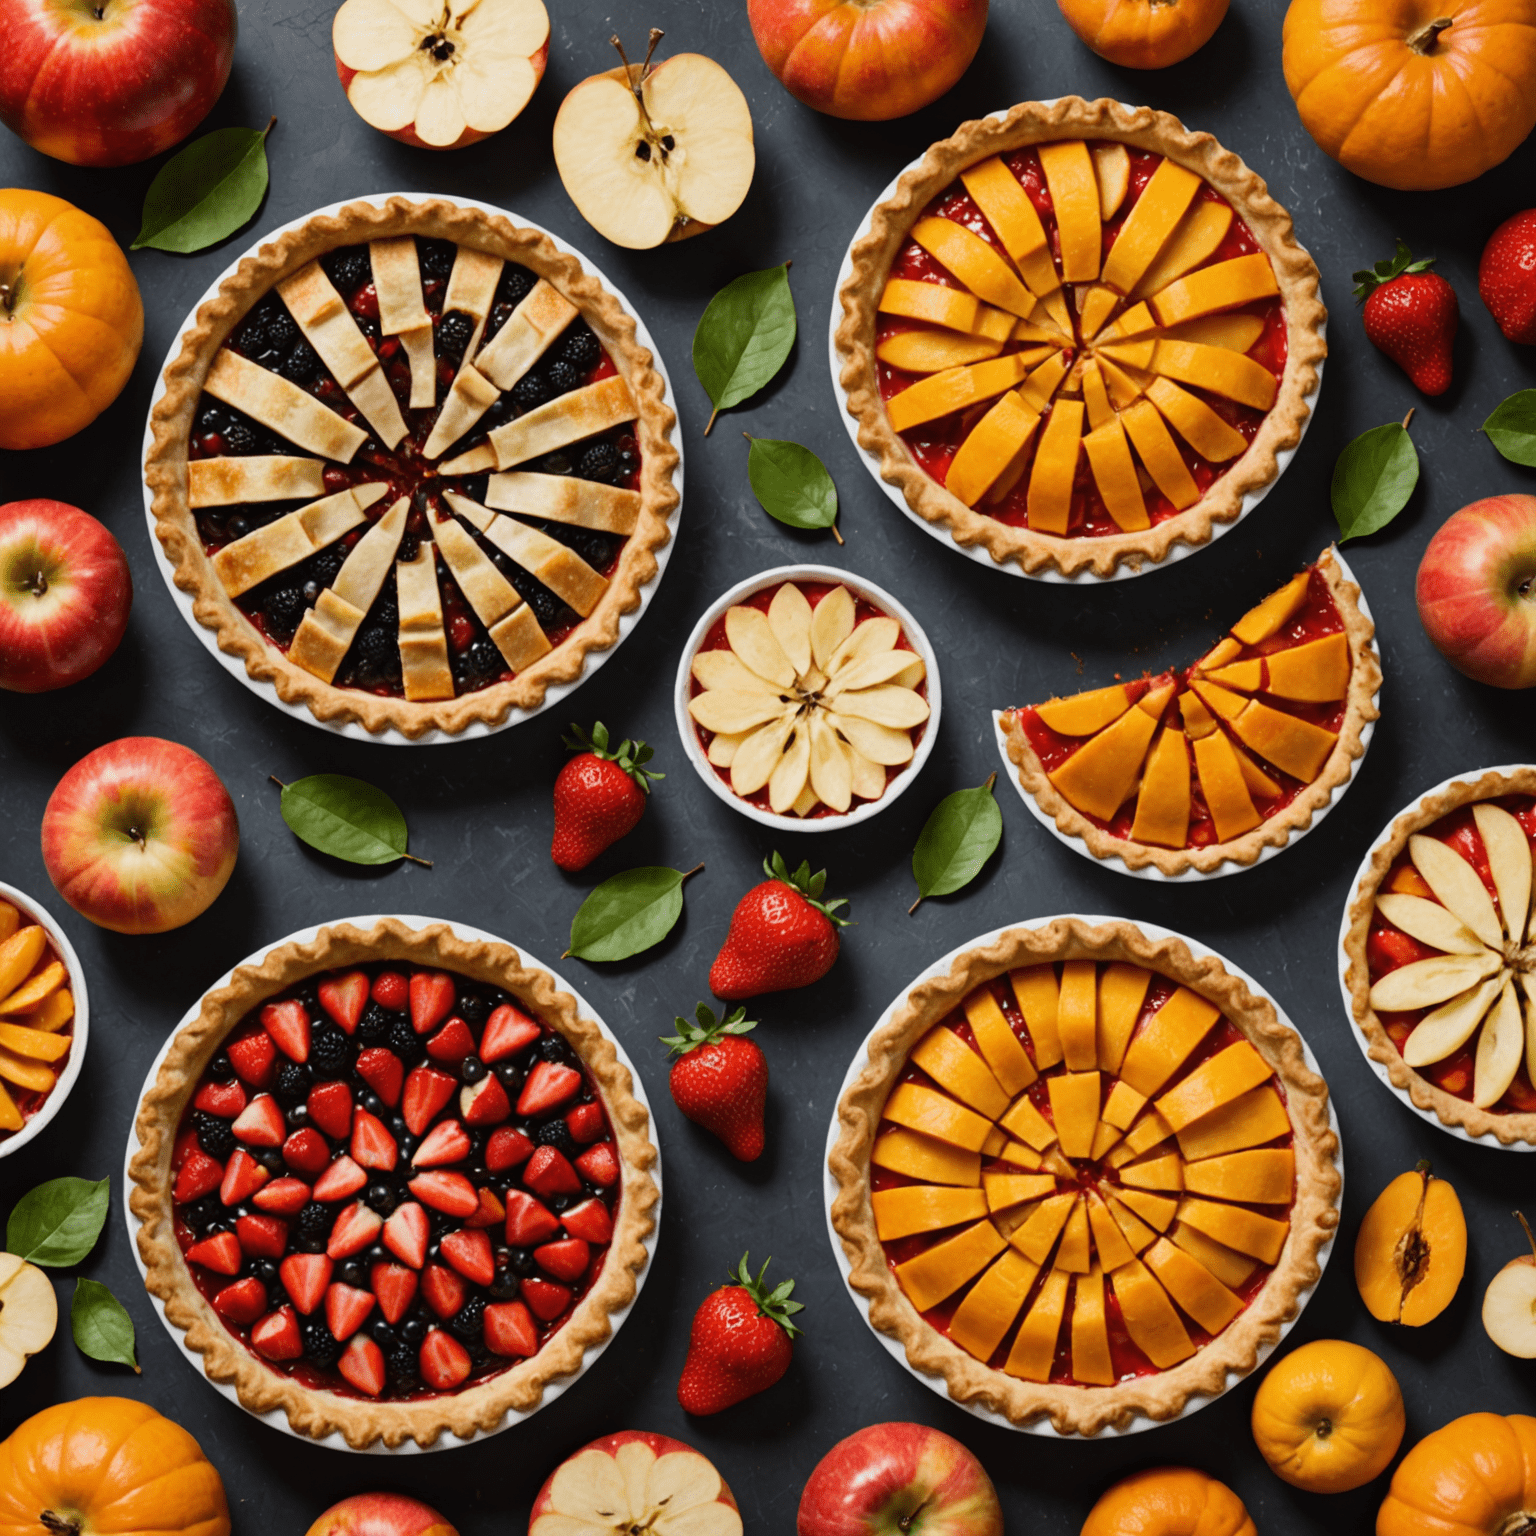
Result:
[
  {"x": 782, "y": 935},
  {"x": 599, "y": 796},
  {"x": 720, "y": 1079},
  {"x": 740, "y": 1342},
  {"x": 1506, "y": 276},
  {"x": 1410, "y": 314}
]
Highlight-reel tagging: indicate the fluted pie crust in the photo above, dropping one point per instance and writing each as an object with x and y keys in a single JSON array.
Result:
[
  {"x": 1448, "y": 1109},
  {"x": 1034, "y": 122},
  {"x": 165, "y": 467},
  {"x": 1079, "y": 1410},
  {"x": 362, "y": 1423}
]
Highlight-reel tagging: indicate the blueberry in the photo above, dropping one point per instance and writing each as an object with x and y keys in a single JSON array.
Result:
[
  {"x": 471, "y": 1069},
  {"x": 510, "y": 1074},
  {"x": 201, "y": 1213},
  {"x": 505, "y": 1285},
  {"x": 271, "y": 1158},
  {"x": 372, "y": 1102},
  {"x": 381, "y": 1197},
  {"x": 553, "y": 1047},
  {"x": 297, "y": 1117},
  {"x": 221, "y": 1068},
  {"x": 521, "y": 1262},
  {"x": 352, "y": 1273},
  {"x": 265, "y": 1271},
  {"x": 473, "y": 1008},
  {"x": 413, "y": 1330},
  {"x": 378, "y": 1254},
  {"x": 382, "y": 1334}
]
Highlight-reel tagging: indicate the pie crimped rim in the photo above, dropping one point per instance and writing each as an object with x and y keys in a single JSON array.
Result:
[
  {"x": 1433, "y": 1103},
  {"x": 171, "y": 417},
  {"x": 363, "y": 1423},
  {"x": 1034, "y": 122},
  {"x": 1238, "y": 1349}
]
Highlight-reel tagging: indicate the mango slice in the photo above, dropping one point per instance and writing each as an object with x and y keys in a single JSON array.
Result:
[
  {"x": 1122, "y": 989},
  {"x": 1226, "y": 285},
  {"x": 1149, "y": 1316},
  {"x": 1005, "y": 1190},
  {"x": 971, "y": 259},
  {"x": 1274, "y": 613},
  {"x": 1036, "y": 992},
  {"x": 921, "y": 1157},
  {"x": 913, "y": 1208},
  {"x": 1411, "y": 1249},
  {"x": 1034, "y": 1346},
  {"x": 1166, "y": 1039},
  {"x": 1150, "y": 224},
  {"x": 1114, "y": 472},
  {"x": 1160, "y": 454},
  {"x": 1075, "y": 1110},
  {"x": 1236, "y": 1227},
  {"x": 954, "y": 1066},
  {"x": 1055, "y": 468},
  {"x": 990, "y": 448},
  {"x": 18, "y": 955},
  {"x": 1083, "y": 714},
  {"x": 1038, "y": 1235},
  {"x": 1090, "y": 1330},
  {"x": 990, "y": 1306},
  {"x": 940, "y": 394},
  {"x": 1215, "y": 1082},
  {"x": 1074, "y": 188},
  {"x": 1199, "y": 232},
  {"x": 1162, "y": 807},
  {"x": 934, "y": 1114},
  {"x": 1194, "y": 421},
  {"x": 1224, "y": 788},
  {"x": 1293, "y": 745},
  {"x": 1102, "y": 772},
  {"x": 1227, "y": 1264},
  {"x": 1076, "y": 1017},
  {"x": 1074, "y": 1253},
  {"x": 936, "y": 303},
  {"x": 1002, "y": 1050},
  {"x": 940, "y": 1271},
  {"x": 1266, "y": 1176},
  {"x": 1136, "y": 1232},
  {"x": 1246, "y": 1121},
  {"x": 934, "y": 350},
  {"x": 1219, "y": 370},
  {"x": 1193, "y": 1286},
  {"x": 1028, "y": 1124}
]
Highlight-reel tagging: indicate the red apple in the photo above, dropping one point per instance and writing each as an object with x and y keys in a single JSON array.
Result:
[
  {"x": 867, "y": 59},
  {"x": 112, "y": 82},
  {"x": 381, "y": 1514},
  {"x": 140, "y": 835},
  {"x": 631, "y": 1482},
  {"x": 899, "y": 1480},
  {"x": 1477, "y": 591},
  {"x": 65, "y": 592}
]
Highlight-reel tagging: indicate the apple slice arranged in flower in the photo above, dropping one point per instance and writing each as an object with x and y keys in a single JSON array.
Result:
[{"x": 29, "y": 1313}]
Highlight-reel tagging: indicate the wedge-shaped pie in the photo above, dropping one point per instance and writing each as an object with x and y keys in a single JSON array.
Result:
[
  {"x": 1079, "y": 334},
  {"x": 1221, "y": 760},
  {"x": 413, "y": 465},
  {"x": 1441, "y": 954},
  {"x": 392, "y": 1183},
  {"x": 1084, "y": 1176}
]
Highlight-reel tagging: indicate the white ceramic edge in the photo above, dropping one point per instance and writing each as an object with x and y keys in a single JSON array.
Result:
[
  {"x": 1122, "y": 572},
  {"x": 557, "y": 692},
  {"x": 893, "y": 1347},
  {"x": 1428, "y": 1116},
  {"x": 1118, "y": 865},
  {"x": 700, "y": 760},
  {"x": 276, "y": 1418},
  {"x": 82, "y": 1021}
]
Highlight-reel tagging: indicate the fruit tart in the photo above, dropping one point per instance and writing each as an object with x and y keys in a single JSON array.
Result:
[
  {"x": 1085, "y": 1176},
  {"x": 1440, "y": 954},
  {"x": 1218, "y": 761},
  {"x": 37, "y": 1020},
  {"x": 413, "y": 466},
  {"x": 1078, "y": 335},
  {"x": 392, "y": 1183}
]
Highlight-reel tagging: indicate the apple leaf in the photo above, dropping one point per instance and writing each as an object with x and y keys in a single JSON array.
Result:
[
  {"x": 205, "y": 193},
  {"x": 743, "y": 337},
  {"x": 628, "y": 913},
  {"x": 57, "y": 1223},
  {"x": 792, "y": 484},
  {"x": 1512, "y": 427},
  {"x": 347, "y": 819},
  {"x": 102, "y": 1328},
  {"x": 1373, "y": 479},
  {"x": 960, "y": 836}
]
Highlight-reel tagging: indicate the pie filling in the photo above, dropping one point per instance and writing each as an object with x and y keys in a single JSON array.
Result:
[
  {"x": 1451, "y": 954},
  {"x": 1084, "y": 1174},
  {"x": 1202, "y": 755},
  {"x": 414, "y": 468},
  {"x": 392, "y": 1182},
  {"x": 37, "y": 1013},
  {"x": 807, "y": 699},
  {"x": 1079, "y": 338}
]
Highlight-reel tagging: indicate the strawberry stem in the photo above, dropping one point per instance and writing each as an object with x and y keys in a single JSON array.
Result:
[{"x": 775, "y": 1304}]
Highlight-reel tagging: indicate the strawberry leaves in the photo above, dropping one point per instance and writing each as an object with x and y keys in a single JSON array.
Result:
[
  {"x": 808, "y": 885},
  {"x": 631, "y": 756},
  {"x": 958, "y": 838},
  {"x": 774, "y": 1304},
  {"x": 628, "y": 913},
  {"x": 691, "y": 1035},
  {"x": 1512, "y": 427},
  {"x": 744, "y": 337},
  {"x": 1402, "y": 262},
  {"x": 1373, "y": 479}
]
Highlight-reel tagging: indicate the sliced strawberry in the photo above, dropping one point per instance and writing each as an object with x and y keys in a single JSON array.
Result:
[
  {"x": 243, "y": 1176},
  {"x": 283, "y": 1197},
  {"x": 510, "y": 1329},
  {"x": 395, "y": 1287},
  {"x": 262, "y": 1237},
  {"x": 407, "y": 1233},
  {"x": 426, "y": 1091},
  {"x": 330, "y": 1107},
  {"x": 566, "y": 1260},
  {"x": 491, "y": 1211},
  {"x": 590, "y": 1220},
  {"x": 276, "y": 1336},
  {"x": 548, "y": 1173},
  {"x": 600, "y": 1164},
  {"x": 307, "y": 1152},
  {"x": 305, "y": 1278},
  {"x": 452, "y": 1043},
  {"x": 549, "y": 1085},
  {"x": 355, "y": 1229},
  {"x": 485, "y": 1102},
  {"x": 288, "y": 1024},
  {"x": 346, "y": 1309},
  {"x": 261, "y": 1123},
  {"x": 372, "y": 1145},
  {"x": 225, "y": 1100},
  {"x": 253, "y": 1057},
  {"x": 586, "y": 1123},
  {"x": 341, "y": 1179},
  {"x": 528, "y": 1222},
  {"x": 241, "y": 1303},
  {"x": 391, "y": 990},
  {"x": 432, "y": 995},
  {"x": 507, "y": 1148},
  {"x": 507, "y": 1032},
  {"x": 450, "y": 1193},
  {"x": 443, "y": 1290},
  {"x": 446, "y": 1142},
  {"x": 444, "y": 1361},
  {"x": 199, "y": 1175},
  {"x": 469, "y": 1251},
  {"x": 383, "y": 1072},
  {"x": 344, "y": 998},
  {"x": 362, "y": 1365},
  {"x": 220, "y": 1253},
  {"x": 545, "y": 1299}
]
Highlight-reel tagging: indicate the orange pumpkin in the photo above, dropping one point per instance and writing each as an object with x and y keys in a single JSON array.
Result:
[
  {"x": 1476, "y": 1476},
  {"x": 107, "y": 1464},
  {"x": 1169, "y": 1501},
  {"x": 71, "y": 319},
  {"x": 1144, "y": 34},
  {"x": 1414, "y": 94}
]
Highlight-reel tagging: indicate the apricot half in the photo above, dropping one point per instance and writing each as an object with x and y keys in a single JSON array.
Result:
[{"x": 1411, "y": 1250}]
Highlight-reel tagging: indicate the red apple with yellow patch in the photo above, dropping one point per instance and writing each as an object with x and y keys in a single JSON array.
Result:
[{"x": 381, "y": 1514}]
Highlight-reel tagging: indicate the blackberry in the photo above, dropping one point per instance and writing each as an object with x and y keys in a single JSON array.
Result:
[
  {"x": 480, "y": 664},
  {"x": 404, "y": 1041},
  {"x": 515, "y": 285},
  {"x": 283, "y": 610},
  {"x": 436, "y": 257},
  {"x": 320, "y": 1344},
  {"x": 453, "y": 334},
  {"x": 241, "y": 437},
  {"x": 594, "y": 546},
  {"x": 580, "y": 347},
  {"x": 531, "y": 390},
  {"x": 401, "y": 1361},
  {"x": 213, "y": 1135},
  {"x": 201, "y": 1214},
  {"x": 469, "y": 1321},
  {"x": 479, "y": 1355},
  {"x": 553, "y": 1047},
  {"x": 211, "y": 417},
  {"x": 302, "y": 364},
  {"x": 323, "y": 567},
  {"x": 375, "y": 653},
  {"x": 349, "y": 268},
  {"x": 330, "y": 1052},
  {"x": 314, "y": 1220},
  {"x": 599, "y": 462},
  {"x": 381, "y": 1197},
  {"x": 562, "y": 376},
  {"x": 292, "y": 1085},
  {"x": 268, "y": 331},
  {"x": 547, "y": 608},
  {"x": 374, "y": 1024},
  {"x": 498, "y": 317},
  {"x": 557, "y": 1134}
]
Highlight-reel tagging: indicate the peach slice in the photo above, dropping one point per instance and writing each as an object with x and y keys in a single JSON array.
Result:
[
  {"x": 1112, "y": 171},
  {"x": 1049, "y": 502},
  {"x": 1108, "y": 1239},
  {"x": 1194, "y": 421},
  {"x": 1149, "y": 1316},
  {"x": 1263, "y": 1177},
  {"x": 940, "y": 394},
  {"x": 35, "y": 988},
  {"x": 1028, "y": 1124},
  {"x": 954, "y": 1066},
  {"x": 1076, "y": 1018},
  {"x": 1215, "y": 1082},
  {"x": 990, "y": 1306},
  {"x": 914, "y": 1208},
  {"x": 1224, "y": 787},
  {"x": 1095, "y": 305},
  {"x": 1138, "y": 1235},
  {"x": 940, "y": 1271},
  {"x": 1163, "y": 1172},
  {"x": 990, "y": 448},
  {"x": 975, "y": 263},
  {"x": 1084, "y": 714},
  {"x": 1002, "y": 198},
  {"x": 1196, "y": 236},
  {"x": 35, "y": 1044},
  {"x": 1074, "y": 190},
  {"x": 10, "y": 920},
  {"x": 56, "y": 1010},
  {"x": 1034, "y": 1347},
  {"x": 1225, "y": 373},
  {"x": 26, "y": 1073},
  {"x": 1104, "y": 1138},
  {"x": 1095, "y": 395},
  {"x": 1272, "y": 615},
  {"x": 1509, "y": 860},
  {"x": 1038, "y": 1235},
  {"x": 1148, "y": 226},
  {"x": 1246, "y": 1121},
  {"x": 1114, "y": 472},
  {"x": 1315, "y": 673},
  {"x": 1227, "y": 1264},
  {"x": 1160, "y": 454},
  {"x": 921, "y": 1157},
  {"x": 934, "y": 350},
  {"x": 1226, "y": 285},
  {"x": 937, "y": 303},
  {"x": 1036, "y": 993},
  {"x": 18, "y": 955},
  {"x": 1091, "y": 1360},
  {"x": 1123, "y": 1104},
  {"x": 1235, "y": 332},
  {"x": 1293, "y": 745},
  {"x": 1073, "y": 1255},
  {"x": 1102, "y": 772},
  {"x": 933, "y": 1114},
  {"x": 1147, "y": 1133},
  {"x": 1075, "y": 1109},
  {"x": 1157, "y": 1209},
  {"x": 1236, "y": 1227},
  {"x": 1163, "y": 1042},
  {"x": 1411, "y": 1249},
  {"x": 1193, "y": 1286},
  {"x": 1122, "y": 990},
  {"x": 1002, "y": 1050},
  {"x": 1005, "y": 1190}
]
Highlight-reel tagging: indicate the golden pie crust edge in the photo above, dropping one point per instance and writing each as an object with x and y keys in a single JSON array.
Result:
[
  {"x": 171, "y": 420},
  {"x": 1088, "y": 1410},
  {"x": 1450, "y": 1110},
  {"x": 1034, "y": 122},
  {"x": 1273, "y": 832},
  {"x": 361, "y": 1421}
]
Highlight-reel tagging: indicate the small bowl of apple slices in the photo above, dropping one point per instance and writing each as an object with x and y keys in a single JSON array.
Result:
[{"x": 44, "y": 1015}]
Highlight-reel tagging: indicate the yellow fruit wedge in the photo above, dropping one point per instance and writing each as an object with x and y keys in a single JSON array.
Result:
[
  {"x": 24, "y": 1073},
  {"x": 55, "y": 1011},
  {"x": 940, "y": 1271},
  {"x": 1149, "y": 1316},
  {"x": 1035, "y": 991},
  {"x": 18, "y": 955},
  {"x": 921, "y": 1157},
  {"x": 934, "y": 302},
  {"x": 1149, "y": 225},
  {"x": 1034, "y": 1346},
  {"x": 1166, "y": 1039},
  {"x": 914, "y": 1208},
  {"x": 34, "y": 1044},
  {"x": 1002, "y": 1050},
  {"x": 35, "y": 989},
  {"x": 1084, "y": 714},
  {"x": 10, "y": 920},
  {"x": 981, "y": 268},
  {"x": 1074, "y": 188},
  {"x": 990, "y": 1306},
  {"x": 10, "y": 1116},
  {"x": 1090, "y": 1331},
  {"x": 1215, "y": 1082}
]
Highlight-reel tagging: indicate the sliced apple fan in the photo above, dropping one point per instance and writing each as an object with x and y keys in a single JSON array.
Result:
[
  {"x": 809, "y": 702},
  {"x": 635, "y": 1490},
  {"x": 1486, "y": 950}
]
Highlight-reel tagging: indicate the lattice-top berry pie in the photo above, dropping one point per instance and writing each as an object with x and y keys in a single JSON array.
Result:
[
  {"x": 392, "y": 1183},
  {"x": 1078, "y": 334},
  {"x": 414, "y": 466}
]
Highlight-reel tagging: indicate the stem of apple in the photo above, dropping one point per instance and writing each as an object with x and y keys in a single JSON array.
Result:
[{"x": 39, "y": 587}]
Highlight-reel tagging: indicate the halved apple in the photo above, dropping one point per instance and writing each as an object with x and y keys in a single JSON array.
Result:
[{"x": 29, "y": 1313}]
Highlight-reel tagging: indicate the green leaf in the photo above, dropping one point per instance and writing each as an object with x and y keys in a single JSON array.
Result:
[
  {"x": 101, "y": 1327},
  {"x": 744, "y": 337},
  {"x": 346, "y": 818},
  {"x": 1512, "y": 427},
  {"x": 791, "y": 484},
  {"x": 957, "y": 840},
  {"x": 1373, "y": 480},
  {"x": 206, "y": 192},
  {"x": 628, "y": 913},
  {"x": 58, "y": 1223}
]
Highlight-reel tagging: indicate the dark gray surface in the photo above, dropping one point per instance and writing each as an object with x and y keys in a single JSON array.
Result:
[{"x": 482, "y": 810}]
